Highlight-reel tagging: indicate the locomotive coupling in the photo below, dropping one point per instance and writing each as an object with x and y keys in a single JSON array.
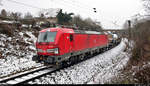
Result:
[{"x": 35, "y": 58}]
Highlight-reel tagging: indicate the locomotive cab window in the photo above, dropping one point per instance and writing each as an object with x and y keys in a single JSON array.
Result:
[
  {"x": 71, "y": 37},
  {"x": 47, "y": 37}
]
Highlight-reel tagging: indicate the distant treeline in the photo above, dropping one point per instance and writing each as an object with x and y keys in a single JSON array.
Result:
[{"x": 69, "y": 19}]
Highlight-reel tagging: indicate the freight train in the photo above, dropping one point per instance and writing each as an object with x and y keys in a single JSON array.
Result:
[{"x": 65, "y": 46}]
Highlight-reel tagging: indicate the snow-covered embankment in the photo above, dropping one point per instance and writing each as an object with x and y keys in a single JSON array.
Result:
[{"x": 16, "y": 53}]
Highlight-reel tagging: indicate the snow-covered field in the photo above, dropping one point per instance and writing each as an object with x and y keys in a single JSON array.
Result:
[
  {"x": 97, "y": 70},
  {"x": 16, "y": 53}
]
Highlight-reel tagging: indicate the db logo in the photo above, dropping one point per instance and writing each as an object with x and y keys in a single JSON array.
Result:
[{"x": 95, "y": 41}]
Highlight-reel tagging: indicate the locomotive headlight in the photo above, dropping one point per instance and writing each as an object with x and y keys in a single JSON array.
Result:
[
  {"x": 50, "y": 50},
  {"x": 39, "y": 50},
  {"x": 56, "y": 51}
]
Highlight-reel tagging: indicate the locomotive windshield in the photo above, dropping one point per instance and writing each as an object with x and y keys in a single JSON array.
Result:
[{"x": 47, "y": 36}]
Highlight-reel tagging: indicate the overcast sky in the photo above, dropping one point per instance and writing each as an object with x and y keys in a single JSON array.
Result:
[{"x": 111, "y": 13}]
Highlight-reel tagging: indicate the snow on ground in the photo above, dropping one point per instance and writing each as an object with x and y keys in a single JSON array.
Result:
[
  {"x": 16, "y": 53},
  {"x": 14, "y": 65},
  {"x": 97, "y": 70}
]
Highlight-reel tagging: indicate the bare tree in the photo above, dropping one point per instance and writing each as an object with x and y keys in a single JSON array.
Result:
[
  {"x": 85, "y": 24},
  {"x": 28, "y": 15},
  {"x": 3, "y": 13},
  {"x": 16, "y": 16},
  {"x": 147, "y": 5},
  {"x": 41, "y": 14}
]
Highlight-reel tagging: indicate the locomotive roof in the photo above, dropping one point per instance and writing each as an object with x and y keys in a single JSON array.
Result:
[
  {"x": 68, "y": 30},
  {"x": 86, "y": 32}
]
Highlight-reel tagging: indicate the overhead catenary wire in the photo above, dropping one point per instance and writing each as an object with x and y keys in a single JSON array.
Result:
[
  {"x": 85, "y": 5},
  {"x": 87, "y": 12},
  {"x": 74, "y": 8},
  {"x": 93, "y": 10},
  {"x": 85, "y": 9},
  {"x": 20, "y": 3},
  {"x": 77, "y": 5},
  {"x": 96, "y": 10}
]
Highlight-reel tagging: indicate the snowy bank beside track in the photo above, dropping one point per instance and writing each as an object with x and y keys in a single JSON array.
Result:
[
  {"x": 97, "y": 70},
  {"x": 16, "y": 53}
]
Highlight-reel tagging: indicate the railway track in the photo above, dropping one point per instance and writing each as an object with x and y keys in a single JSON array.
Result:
[
  {"x": 31, "y": 75},
  {"x": 28, "y": 75}
]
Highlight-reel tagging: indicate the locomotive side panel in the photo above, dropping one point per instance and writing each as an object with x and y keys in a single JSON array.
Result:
[
  {"x": 97, "y": 40},
  {"x": 61, "y": 44},
  {"x": 68, "y": 44},
  {"x": 80, "y": 42},
  {"x": 92, "y": 40},
  {"x": 103, "y": 40}
]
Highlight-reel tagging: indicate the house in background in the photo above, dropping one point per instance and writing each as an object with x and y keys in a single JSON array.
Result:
[
  {"x": 52, "y": 20},
  {"x": 49, "y": 19}
]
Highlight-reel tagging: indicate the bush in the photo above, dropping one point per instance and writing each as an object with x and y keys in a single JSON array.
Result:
[
  {"x": 35, "y": 33},
  {"x": 141, "y": 37},
  {"x": 1, "y": 55},
  {"x": 7, "y": 29},
  {"x": 143, "y": 76},
  {"x": 140, "y": 34}
]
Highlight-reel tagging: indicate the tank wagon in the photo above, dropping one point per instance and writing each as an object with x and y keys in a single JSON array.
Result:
[{"x": 66, "y": 46}]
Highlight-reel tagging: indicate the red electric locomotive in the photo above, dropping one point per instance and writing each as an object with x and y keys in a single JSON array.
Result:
[{"x": 64, "y": 45}]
